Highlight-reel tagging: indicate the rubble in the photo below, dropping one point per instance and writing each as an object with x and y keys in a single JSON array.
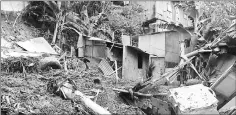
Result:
[
  {"x": 33, "y": 88},
  {"x": 203, "y": 75}
]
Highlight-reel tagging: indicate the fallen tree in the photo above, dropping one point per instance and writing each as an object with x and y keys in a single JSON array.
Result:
[{"x": 68, "y": 90}]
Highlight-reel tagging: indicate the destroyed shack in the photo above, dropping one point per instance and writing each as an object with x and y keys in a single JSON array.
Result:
[
  {"x": 91, "y": 47},
  {"x": 164, "y": 48},
  {"x": 134, "y": 61},
  {"x": 95, "y": 48}
]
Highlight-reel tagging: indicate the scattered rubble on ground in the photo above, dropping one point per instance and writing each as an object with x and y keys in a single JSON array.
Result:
[
  {"x": 29, "y": 94},
  {"x": 24, "y": 81}
]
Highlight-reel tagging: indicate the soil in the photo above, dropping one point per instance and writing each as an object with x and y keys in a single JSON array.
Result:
[{"x": 19, "y": 32}]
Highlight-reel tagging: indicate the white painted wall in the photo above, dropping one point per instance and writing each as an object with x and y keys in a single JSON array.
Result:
[{"x": 153, "y": 44}]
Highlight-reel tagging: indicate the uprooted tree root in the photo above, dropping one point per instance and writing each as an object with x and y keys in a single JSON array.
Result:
[{"x": 20, "y": 64}]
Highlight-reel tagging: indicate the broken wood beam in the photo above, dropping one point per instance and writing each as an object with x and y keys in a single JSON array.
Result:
[
  {"x": 62, "y": 56},
  {"x": 193, "y": 53},
  {"x": 139, "y": 94}
]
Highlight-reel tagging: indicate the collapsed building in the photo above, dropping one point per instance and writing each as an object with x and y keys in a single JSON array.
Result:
[{"x": 212, "y": 64}]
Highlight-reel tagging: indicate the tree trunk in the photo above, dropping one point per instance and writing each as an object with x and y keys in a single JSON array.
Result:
[
  {"x": 89, "y": 103},
  {"x": 55, "y": 34},
  {"x": 58, "y": 23}
]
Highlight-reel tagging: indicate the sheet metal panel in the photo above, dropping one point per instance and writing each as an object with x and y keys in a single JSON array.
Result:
[{"x": 106, "y": 68}]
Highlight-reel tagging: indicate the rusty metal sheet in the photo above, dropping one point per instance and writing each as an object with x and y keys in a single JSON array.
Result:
[
  {"x": 106, "y": 68},
  {"x": 37, "y": 45}
]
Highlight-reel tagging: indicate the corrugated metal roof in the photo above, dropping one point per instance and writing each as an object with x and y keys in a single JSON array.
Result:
[
  {"x": 137, "y": 49},
  {"x": 106, "y": 68}
]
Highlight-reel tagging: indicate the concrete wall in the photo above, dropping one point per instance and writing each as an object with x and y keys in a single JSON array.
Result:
[
  {"x": 159, "y": 63},
  {"x": 126, "y": 40},
  {"x": 130, "y": 68},
  {"x": 153, "y": 44},
  {"x": 164, "y": 44},
  {"x": 172, "y": 47}
]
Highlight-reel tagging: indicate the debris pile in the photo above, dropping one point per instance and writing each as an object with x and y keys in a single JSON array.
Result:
[
  {"x": 30, "y": 81},
  {"x": 33, "y": 93},
  {"x": 210, "y": 64}
]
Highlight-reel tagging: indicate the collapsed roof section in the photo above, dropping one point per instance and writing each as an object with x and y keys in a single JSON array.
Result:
[{"x": 119, "y": 45}]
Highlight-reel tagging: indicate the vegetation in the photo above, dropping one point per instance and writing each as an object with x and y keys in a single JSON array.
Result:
[
  {"x": 211, "y": 16},
  {"x": 69, "y": 19}
]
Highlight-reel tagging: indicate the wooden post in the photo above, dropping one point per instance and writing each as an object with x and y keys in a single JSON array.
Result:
[
  {"x": 182, "y": 52},
  {"x": 71, "y": 51},
  {"x": 55, "y": 33},
  {"x": 181, "y": 55},
  {"x": 80, "y": 45},
  {"x": 117, "y": 78}
]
